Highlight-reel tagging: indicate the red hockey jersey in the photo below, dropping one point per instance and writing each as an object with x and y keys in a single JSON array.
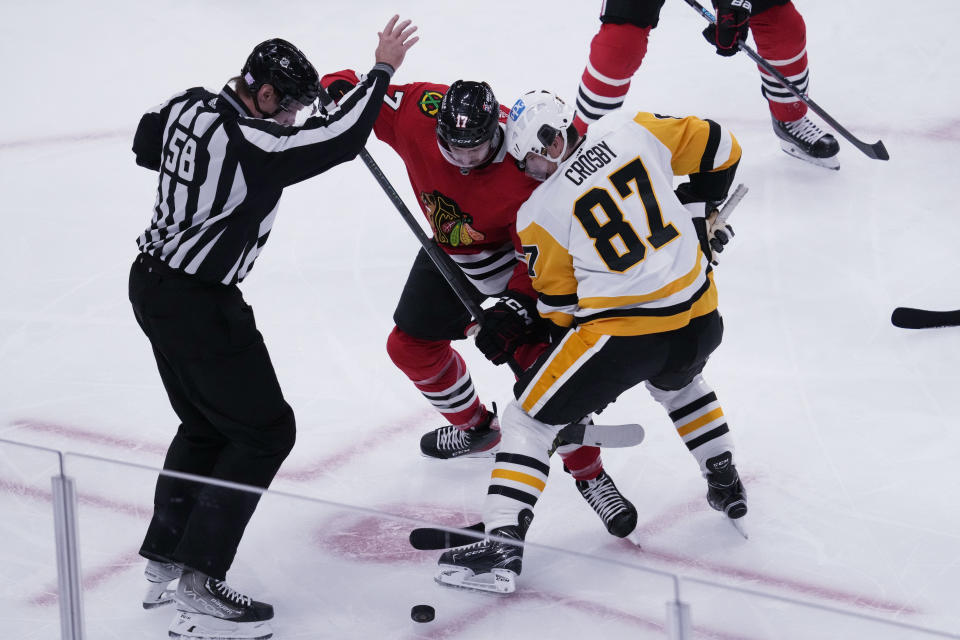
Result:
[{"x": 472, "y": 216}]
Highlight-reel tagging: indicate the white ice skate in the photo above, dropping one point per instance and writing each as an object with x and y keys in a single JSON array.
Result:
[
  {"x": 160, "y": 575},
  {"x": 200, "y": 626},
  {"x": 208, "y": 609},
  {"x": 502, "y": 581}
]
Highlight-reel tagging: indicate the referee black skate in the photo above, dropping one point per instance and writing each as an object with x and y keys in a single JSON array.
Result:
[{"x": 223, "y": 162}]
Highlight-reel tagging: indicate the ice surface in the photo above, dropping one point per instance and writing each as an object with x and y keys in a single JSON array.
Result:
[{"x": 846, "y": 432}]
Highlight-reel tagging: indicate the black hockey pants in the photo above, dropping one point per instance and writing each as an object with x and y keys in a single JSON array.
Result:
[{"x": 234, "y": 422}]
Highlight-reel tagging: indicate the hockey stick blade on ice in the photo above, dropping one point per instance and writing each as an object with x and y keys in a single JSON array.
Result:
[
  {"x": 876, "y": 150},
  {"x": 603, "y": 435},
  {"x": 910, "y": 318},
  {"x": 431, "y": 538}
]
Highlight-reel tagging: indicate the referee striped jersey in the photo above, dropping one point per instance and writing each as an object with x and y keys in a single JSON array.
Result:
[{"x": 222, "y": 171}]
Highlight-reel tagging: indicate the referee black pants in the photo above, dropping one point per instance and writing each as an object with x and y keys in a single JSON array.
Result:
[{"x": 234, "y": 422}]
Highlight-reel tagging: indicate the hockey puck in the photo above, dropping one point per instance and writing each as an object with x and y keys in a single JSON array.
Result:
[{"x": 422, "y": 613}]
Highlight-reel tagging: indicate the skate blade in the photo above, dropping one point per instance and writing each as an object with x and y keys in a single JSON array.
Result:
[
  {"x": 165, "y": 598},
  {"x": 738, "y": 525},
  {"x": 832, "y": 162},
  {"x": 199, "y": 626},
  {"x": 485, "y": 454},
  {"x": 502, "y": 581},
  {"x": 158, "y": 596}
]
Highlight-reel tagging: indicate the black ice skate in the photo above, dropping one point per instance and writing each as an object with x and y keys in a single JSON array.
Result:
[
  {"x": 617, "y": 513},
  {"x": 488, "y": 565},
  {"x": 725, "y": 492},
  {"x": 209, "y": 609},
  {"x": 805, "y": 140},
  {"x": 450, "y": 442},
  {"x": 160, "y": 575}
]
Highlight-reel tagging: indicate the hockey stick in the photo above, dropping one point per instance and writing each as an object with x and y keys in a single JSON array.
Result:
[
  {"x": 431, "y": 538},
  {"x": 730, "y": 205},
  {"x": 441, "y": 260},
  {"x": 603, "y": 435},
  {"x": 910, "y": 318},
  {"x": 719, "y": 221},
  {"x": 591, "y": 435},
  {"x": 876, "y": 150}
]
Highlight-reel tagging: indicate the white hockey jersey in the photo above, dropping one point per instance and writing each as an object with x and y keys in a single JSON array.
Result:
[{"x": 606, "y": 241}]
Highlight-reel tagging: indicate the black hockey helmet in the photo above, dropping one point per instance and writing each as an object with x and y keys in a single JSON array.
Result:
[
  {"x": 469, "y": 118},
  {"x": 278, "y": 63}
]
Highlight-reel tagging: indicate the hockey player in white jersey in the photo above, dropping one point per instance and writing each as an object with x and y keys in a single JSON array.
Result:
[{"x": 622, "y": 266}]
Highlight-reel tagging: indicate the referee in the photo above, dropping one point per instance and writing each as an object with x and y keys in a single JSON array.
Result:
[{"x": 223, "y": 162}]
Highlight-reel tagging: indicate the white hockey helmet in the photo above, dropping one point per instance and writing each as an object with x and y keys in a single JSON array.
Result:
[{"x": 536, "y": 120}]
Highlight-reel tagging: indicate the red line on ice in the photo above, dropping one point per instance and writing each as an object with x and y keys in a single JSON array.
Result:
[
  {"x": 65, "y": 139},
  {"x": 46, "y": 495},
  {"x": 77, "y": 433},
  {"x": 310, "y": 471},
  {"x": 346, "y": 455},
  {"x": 91, "y": 579}
]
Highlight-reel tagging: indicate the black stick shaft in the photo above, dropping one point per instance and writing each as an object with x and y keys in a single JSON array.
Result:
[
  {"x": 451, "y": 273},
  {"x": 877, "y": 150}
]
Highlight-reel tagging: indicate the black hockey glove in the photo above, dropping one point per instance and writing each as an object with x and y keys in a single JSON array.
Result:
[
  {"x": 733, "y": 19},
  {"x": 339, "y": 88},
  {"x": 718, "y": 233},
  {"x": 506, "y": 326}
]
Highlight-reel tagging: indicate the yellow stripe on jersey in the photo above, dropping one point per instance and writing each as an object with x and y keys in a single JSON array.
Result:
[
  {"x": 699, "y": 422},
  {"x": 558, "y": 318},
  {"x": 552, "y": 268},
  {"x": 687, "y": 140},
  {"x": 643, "y": 325},
  {"x": 517, "y": 476},
  {"x": 677, "y": 285},
  {"x": 574, "y": 346}
]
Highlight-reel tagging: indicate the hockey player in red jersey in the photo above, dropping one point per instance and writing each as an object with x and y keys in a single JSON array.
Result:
[
  {"x": 451, "y": 141},
  {"x": 780, "y": 34}
]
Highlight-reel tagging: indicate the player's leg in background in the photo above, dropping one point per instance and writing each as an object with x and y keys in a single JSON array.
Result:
[
  {"x": 616, "y": 52},
  {"x": 428, "y": 317},
  {"x": 781, "y": 37},
  {"x": 696, "y": 413}
]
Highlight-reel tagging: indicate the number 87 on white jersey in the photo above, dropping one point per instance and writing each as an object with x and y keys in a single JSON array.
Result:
[{"x": 606, "y": 239}]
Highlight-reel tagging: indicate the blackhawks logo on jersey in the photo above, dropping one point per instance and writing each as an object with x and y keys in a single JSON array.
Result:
[
  {"x": 430, "y": 103},
  {"x": 450, "y": 225}
]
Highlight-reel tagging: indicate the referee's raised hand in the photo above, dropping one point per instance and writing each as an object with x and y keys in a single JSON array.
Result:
[{"x": 395, "y": 40}]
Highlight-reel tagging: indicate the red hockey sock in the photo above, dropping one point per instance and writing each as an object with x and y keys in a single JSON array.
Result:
[
  {"x": 781, "y": 38},
  {"x": 615, "y": 54},
  {"x": 440, "y": 374},
  {"x": 582, "y": 462}
]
